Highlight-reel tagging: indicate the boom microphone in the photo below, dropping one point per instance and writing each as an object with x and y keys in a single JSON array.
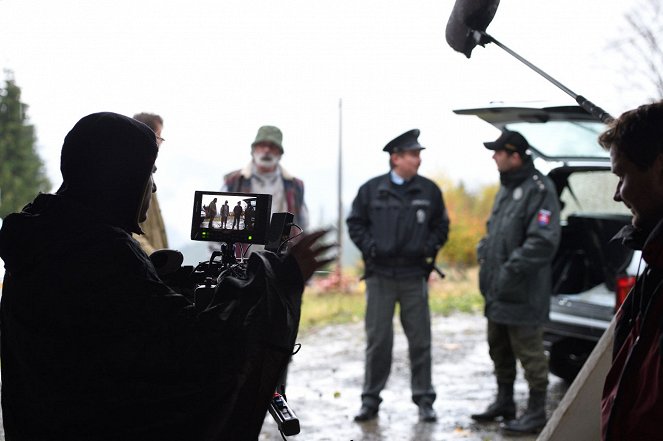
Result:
[
  {"x": 466, "y": 28},
  {"x": 466, "y": 17}
]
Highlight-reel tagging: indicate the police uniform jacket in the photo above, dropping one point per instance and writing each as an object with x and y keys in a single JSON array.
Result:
[
  {"x": 523, "y": 234},
  {"x": 399, "y": 229}
]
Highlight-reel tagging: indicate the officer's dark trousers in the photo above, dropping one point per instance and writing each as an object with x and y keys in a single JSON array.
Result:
[
  {"x": 411, "y": 293},
  {"x": 508, "y": 342}
]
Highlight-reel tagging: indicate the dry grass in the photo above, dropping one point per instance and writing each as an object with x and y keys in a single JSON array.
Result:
[{"x": 323, "y": 305}]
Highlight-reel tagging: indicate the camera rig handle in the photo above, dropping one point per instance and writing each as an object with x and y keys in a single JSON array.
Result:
[{"x": 283, "y": 414}]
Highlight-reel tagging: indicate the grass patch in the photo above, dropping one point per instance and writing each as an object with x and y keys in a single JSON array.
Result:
[
  {"x": 321, "y": 309},
  {"x": 458, "y": 292}
]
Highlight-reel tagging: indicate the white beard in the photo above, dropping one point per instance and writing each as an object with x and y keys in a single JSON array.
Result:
[{"x": 266, "y": 160}]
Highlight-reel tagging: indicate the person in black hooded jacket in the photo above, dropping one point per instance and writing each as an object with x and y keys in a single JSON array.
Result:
[{"x": 96, "y": 347}]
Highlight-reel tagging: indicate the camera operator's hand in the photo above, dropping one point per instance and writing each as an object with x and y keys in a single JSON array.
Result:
[{"x": 308, "y": 252}]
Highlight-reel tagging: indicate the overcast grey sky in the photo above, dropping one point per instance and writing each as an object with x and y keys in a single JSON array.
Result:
[{"x": 217, "y": 70}]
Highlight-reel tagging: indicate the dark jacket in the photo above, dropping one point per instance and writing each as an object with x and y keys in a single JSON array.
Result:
[
  {"x": 398, "y": 230},
  {"x": 96, "y": 347},
  {"x": 632, "y": 402},
  {"x": 523, "y": 233}
]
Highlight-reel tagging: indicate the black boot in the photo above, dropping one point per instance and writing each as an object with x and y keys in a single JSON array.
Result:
[
  {"x": 534, "y": 418},
  {"x": 366, "y": 413},
  {"x": 503, "y": 406}
]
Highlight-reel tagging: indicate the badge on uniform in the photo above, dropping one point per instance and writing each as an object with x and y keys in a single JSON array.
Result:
[
  {"x": 517, "y": 193},
  {"x": 421, "y": 216},
  {"x": 543, "y": 217}
]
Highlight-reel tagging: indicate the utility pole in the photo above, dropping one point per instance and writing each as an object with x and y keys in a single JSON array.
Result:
[{"x": 339, "y": 226}]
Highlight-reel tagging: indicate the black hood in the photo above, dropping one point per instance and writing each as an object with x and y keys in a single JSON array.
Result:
[{"x": 105, "y": 163}]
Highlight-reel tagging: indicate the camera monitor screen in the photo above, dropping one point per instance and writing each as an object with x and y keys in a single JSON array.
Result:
[{"x": 230, "y": 217}]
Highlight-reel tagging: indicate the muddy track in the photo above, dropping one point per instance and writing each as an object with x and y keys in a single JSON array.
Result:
[{"x": 325, "y": 379}]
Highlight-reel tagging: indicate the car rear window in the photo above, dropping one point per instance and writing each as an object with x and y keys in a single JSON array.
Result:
[{"x": 563, "y": 139}]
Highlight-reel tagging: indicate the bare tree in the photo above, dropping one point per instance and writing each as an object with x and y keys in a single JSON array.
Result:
[{"x": 642, "y": 47}]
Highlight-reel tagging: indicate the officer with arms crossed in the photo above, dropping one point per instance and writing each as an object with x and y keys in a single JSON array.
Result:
[
  {"x": 399, "y": 222},
  {"x": 516, "y": 253}
]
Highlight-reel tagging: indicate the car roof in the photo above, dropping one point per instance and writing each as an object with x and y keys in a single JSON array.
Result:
[{"x": 565, "y": 133}]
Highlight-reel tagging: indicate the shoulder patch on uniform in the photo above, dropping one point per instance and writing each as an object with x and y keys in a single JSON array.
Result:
[{"x": 543, "y": 217}]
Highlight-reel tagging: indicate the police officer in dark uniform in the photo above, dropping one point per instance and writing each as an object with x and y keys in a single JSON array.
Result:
[
  {"x": 399, "y": 222},
  {"x": 516, "y": 253}
]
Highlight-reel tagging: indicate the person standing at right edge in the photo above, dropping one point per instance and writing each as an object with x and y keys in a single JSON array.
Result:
[
  {"x": 399, "y": 222},
  {"x": 523, "y": 233},
  {"x": 632, "y": 400}
]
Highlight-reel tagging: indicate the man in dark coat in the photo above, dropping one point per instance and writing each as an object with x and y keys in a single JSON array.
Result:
[
  {"x": 632, "y": 402},
  {"x": 96, "y": 347},
  {"x": 399, "y": 222},
  {"x": 237, "y": 214},
  {"x": 515, "y": 255},
  {"x": 210, "y": 212},
  {"x": 225, "y": 211}
]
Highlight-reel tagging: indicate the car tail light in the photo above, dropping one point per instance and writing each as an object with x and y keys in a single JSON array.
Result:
[{"x": 623, "y": 287}]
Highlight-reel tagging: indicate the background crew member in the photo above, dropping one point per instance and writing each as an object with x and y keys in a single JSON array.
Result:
[
  {"x": 399, "y": 222},
  {"x": 632, "y": 403},
  {"x": 154, "y": 229}
]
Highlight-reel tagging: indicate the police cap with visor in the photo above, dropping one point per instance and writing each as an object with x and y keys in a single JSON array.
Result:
[{"x": 405, "y": 142}]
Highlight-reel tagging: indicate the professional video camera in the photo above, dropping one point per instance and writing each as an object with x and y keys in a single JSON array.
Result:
[
  {"x": 250, "y": 214},
  {"x": 236, "y": 221}
]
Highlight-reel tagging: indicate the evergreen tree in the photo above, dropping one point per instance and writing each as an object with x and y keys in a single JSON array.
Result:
[{"x": 22, "y": 173}]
